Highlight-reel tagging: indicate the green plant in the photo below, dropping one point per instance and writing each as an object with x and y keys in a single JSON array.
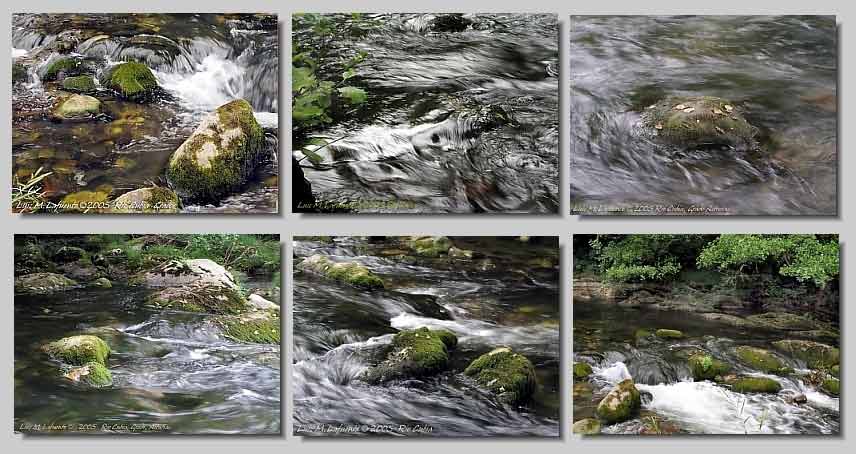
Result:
[{"x": 28, "y": 196}]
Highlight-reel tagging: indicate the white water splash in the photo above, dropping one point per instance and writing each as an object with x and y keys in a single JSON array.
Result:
[
  {"x": 215, "y": 82},
  {"x": 18, "y": 53}
]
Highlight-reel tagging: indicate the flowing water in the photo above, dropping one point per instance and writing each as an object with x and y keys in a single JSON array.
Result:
[
  {"x": 202, "y": 61},
  {"x": 783, "y": 70},
  {"x": 339, "y": 331},
  {"x": 604, "y": 336},
  {"x": 413, "y": 148},
  {"x": 168, "y": 368}
]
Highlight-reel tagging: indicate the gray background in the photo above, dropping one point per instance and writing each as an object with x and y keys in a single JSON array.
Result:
[{"x": 287, "y": 224}]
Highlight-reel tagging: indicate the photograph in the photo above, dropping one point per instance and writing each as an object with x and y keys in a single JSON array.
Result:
[
  {"x": 732, "y": 334},
  {"x": 425, "y": 113},
  {"x": 704, "y": 115},
  {"x": 145, "y": 113},
  {"x": 147, "y": 334},
  {"x": 426, "y": 336}
]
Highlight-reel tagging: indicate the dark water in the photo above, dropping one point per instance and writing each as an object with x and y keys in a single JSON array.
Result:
[
  {"x": 168, "y": 368},
  {"x": 782, "y": 70},
  {"x": 604, "y": 337},
  {"x": 413, "y": 148},
  {"x": 201, "y": 60},
  {"x": 339, "y": 331}
]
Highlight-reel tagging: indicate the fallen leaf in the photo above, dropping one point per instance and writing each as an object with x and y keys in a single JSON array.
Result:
[{"x": 689, "y": 110}]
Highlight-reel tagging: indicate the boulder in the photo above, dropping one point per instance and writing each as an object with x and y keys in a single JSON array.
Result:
[
  {"x": 831, "y": 386},
  {"x": 202, "y": 297},
  {"x": 815, "y": 354},
  {"x": 692, "y": 122},
  {"x": 705, "y": 367},
  {"x": 260, "y": 303},
  {"x": 68, "y": 254},
  {"x": 762, "y": 360},
  {"x": 79, "y": 350},
  {"x": 669, "y": 334},
  {"x": 42, "y": 283},
  {"x": 79, "y": 84},
  {"x": 93, "y": 374},
  {"x": 177, "y": 273},
  {"x": 131, "y": 80},
  {"x": 581, "y": 370},
  {"x": 77, "y": 107},
  {"x": 347, "y": 272},
  {"x": 101, "y": 282},
  {"x": 752, "y": 384},
  {"x": 429, "y": 246},
  {"x": 259, "y": 327},
  {"x": 588, "y": 426},
  {"x": 153, "y": 200},
  {"x": 60, "y": 67},
  {"x": 414, "y": 353},
  {"x": 620, "y": 403},
  {"x": 85, "y": 202},
  {"x": 509, "y": 375},
  {"x": 219, "y": 157}
]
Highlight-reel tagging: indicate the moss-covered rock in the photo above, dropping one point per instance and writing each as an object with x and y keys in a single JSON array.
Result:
[
  {"x": 66, "y": 254},
  {"x": 582, "y": 370},
  {"x": 815, "y": 354},
  {"x": 429, "y": 246},
  {"x": 509, "y": 375},
  {"x": 85, "y": 202},
  {"x": 588, "y": 426},
  {"x": 831, "y": 386},
  {"x": 79, "y": 350},
  {"x": 753, "y": 384},
  {"x": 93, "y": 374},
  {"x": 835, "y": 370},
  {"x": 62, "y": 66},
  {"x": 153, "y": 200},
  {"x": 219, "y": 157},
  {"x": 669, "y": 334},
  {"x": 77, "y": 107},
  {"x": 414, "y": 353},
  {"x": 347, "y": 272},
  {"x": 200, "y": 297},
  {"x": 762, "y": 360},
  {"x": 690, "y": 122},
  {"x": 101, "y": 282},
  {"x": 620, "y": 403},
  {"x": 42, "y": 283},
  {"x": 259, "y": 327},
  {"x": 79, "y": 84},
  {"x": 131, "y": 80},
  {"x": 706, "y": 367}
]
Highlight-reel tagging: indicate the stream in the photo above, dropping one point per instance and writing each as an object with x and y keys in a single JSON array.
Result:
[
  {"x": 202, "y": 61},
  {"x": 169, "y": 368},
  {"x": 339, "y": 330},
  {"x": 782, "y": 70}
]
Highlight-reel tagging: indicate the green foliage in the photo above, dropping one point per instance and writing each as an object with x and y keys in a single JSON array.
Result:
[{"x": 635, "y": 258}]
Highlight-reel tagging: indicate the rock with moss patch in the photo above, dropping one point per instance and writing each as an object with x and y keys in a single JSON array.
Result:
[
  {"x": 101, "y": 282},
  {"x": 692, "y": 122},
  {"x": 588, "y": 426},
  {"x": 220, "y": 156},
  {"x": 93, "y": 374},
  {"x": 620, "y": 404},
  {"x": 350, "y": 273},
  {"x": 66, "y": 254},
  {"x": 669, "y": 334},
  {"x": 582, "y": 370},
  {"x": 77, "y": 107},
  {"x": 429, "y": 246},
  {"x": 762, "y": 360},
  {"x": 177, "y": 273},
  {"x": 200, "y": 297},
  {"x": 85, "y": 202},
  {"x": 414, "y": 353},
  {"x": 706, "y": 367},
  {"x": 509, "y": 375},
  {"x": 153, "y": 200},
  {"x": 131, "y": 80},
  {"x": 831, "y": 386},
  {"x": 745, "y": 384},
  {"x": 60, "y": 67},
  {"x": 42, "y": 283},
  {"x": 258, "y": 327},
  {"x": 815, "y": 354},
  {"x": 79, "y": 84},
  {"x": 79, "y": 350}
]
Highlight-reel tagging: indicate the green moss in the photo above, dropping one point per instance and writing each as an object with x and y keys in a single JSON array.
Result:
[
  {"x": 84, "y": 202},
  {"x": 754, "y": 385},
  {"x": 705, "y": 367},
  {"x": 42, "y": 283},
  {"x": 153, "y": 200},
  {"x": 831, "y": 386},
  {"x": 641, "y": 334},
  {"x": 219, "y": 157},
  {"x": 669, "y": 334},
  {"x": 79, "y": 84},
  {"x": 835, "y": 370},
  {"x": 815, "y": 354},
  {"x": 132, "y": 80},
  {"x": 79, "y": 350},
  {"x": 348, "y": 272},
  {"x": 414, "y": 353},
  {"x": 430, "y": 246},
  {"x": 581, "y": 370},
  {"x": 210, "y": 299},
  {"x": 65, "y": 65},
  {"x": 762, "y": 360},
  {"x": 264, "y": 329},
  {"x": 620, "y": 403},
  {"x": 101, "y": 282},
  {"x": 588, "y": 426},
  {"x": 99, "y": 375},
  {"x": 509, "y": 375}
]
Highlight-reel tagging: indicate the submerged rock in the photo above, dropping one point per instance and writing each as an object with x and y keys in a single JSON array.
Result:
[
  {"x": 42, "y": 283},
  {"x": 705, "y": 367},
  {"x": 131, "y": 80},
  {"x": 815, "y": 354},
  {"x": 79, "y": 84},
  {"x": 581, "y": 370},
  {"x": 692, "y": 122},
  {"x": 219, "y": 157},
  {"x": 509, "y": 375},
  {"x": 78, "y": 107},
  {"x": 93, "y": 374},
  {"x": 414, "y": 353},
  {"x": 347, "y": 272},
  {"x": 153, "y": 200},
  {"x": 588, "y": 426},
  {"x": 620, "y": 403},
  {"x": 762, "y": 360},
  {"x": 79, "y": 350}
]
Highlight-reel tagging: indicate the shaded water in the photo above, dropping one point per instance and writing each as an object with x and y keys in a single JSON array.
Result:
[
  {"x": 202, "y": 61},
  {"x": 340, "y": 331},
  {"x": 604, "y": 337},
  {"x": 168, "y": 368},
  {"x": 416, "y": 147},
  {"x": 782, "y": 70}
]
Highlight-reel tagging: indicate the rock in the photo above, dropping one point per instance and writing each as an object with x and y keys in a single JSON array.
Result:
[
  {"x": 42, "y": 283},
  {"x": 347, "y": 272},
  {"x": 153, "y": 200},
  {"x": 429, "y": 246},
  {"x": 831, "y": 386},
  {"x": 301, "y": 195},
  {"x": 692, "y": 122},
  {"x": 201, "y": 297},
  {"x": 101, "y": 282},
  {"x": 588, "y": 426},
  {"x": 620, "y": 403},
  {"x": 509, "y": 375},
  {"x": 414, "y": 353},
  {"x": 79, "y": 84},
  {"x": 800, "y": 399},
  {"x": 61, "y": 67},
  {"x": 93, "y": 374},
  {"x": 176, "y": 273},
  {"x": 581, "y": 370},
  {"x": 68, "y": 254},
  {"x": 460, "y": 253},
  {"x": 30, "y": 259},
  {"x": 260, "y": 327},
  {"x": 19, "y": 73},
  {"x": 85, "y": 202},
  {"x": 79, "y": 350},
  {"x": 642, "y": 335},
  {"x": 669, "y": 334},
  {"x": 752, "y": 384},
  {"x": 258, "y": 302},
  {"x": 77, "y": 107},
  {"x": 762, "y": 360},
  {"x": 815, "y": 354},
  {"x": 705, "y": 367},
  {"x": 835, "y": 370},
  {"x": 582, "y": 391},
  {"x": 727, "y": 319},
  {"x": 784, "y": 321},
  {"x": 131, "y": 80},
  {"x": 219, "y": 157}
]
